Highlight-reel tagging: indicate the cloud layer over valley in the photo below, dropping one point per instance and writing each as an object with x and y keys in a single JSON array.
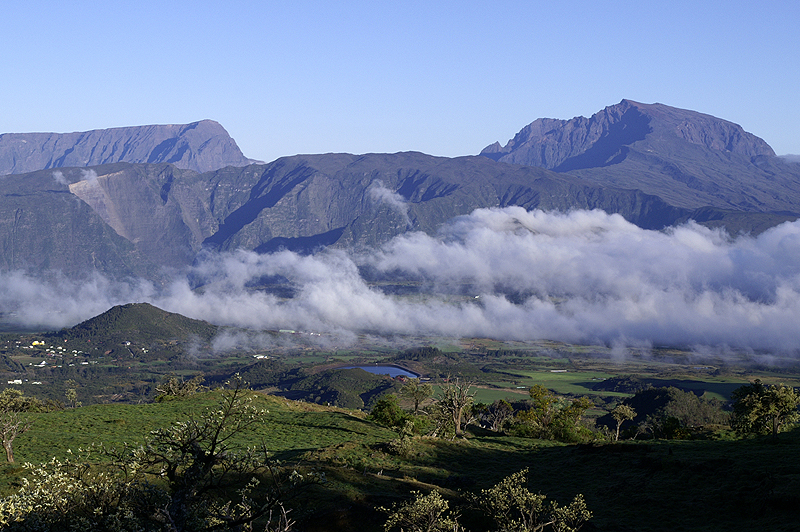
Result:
[{"x": 510, "y": 274}]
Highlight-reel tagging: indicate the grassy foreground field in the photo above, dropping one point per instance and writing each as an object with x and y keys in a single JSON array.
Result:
[{"x": 702, "y": 485}]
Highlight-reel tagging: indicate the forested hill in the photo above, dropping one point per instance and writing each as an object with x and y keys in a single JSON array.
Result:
[{"x": 140, "y": 320}]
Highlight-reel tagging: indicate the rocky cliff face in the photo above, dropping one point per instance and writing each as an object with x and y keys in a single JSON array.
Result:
[
  {"x": 200, "y": 146},
  {"x": 549, "y": 143}
]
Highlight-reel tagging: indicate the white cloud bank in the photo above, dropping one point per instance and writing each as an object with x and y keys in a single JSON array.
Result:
[{"x": 577, "y": 277}]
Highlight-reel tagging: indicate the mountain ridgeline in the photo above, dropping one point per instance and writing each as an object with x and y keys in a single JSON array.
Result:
[{"x": 654, "y": 165}]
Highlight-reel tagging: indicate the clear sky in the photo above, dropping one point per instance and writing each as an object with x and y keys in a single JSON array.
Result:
[{"x": 441, "y": 77}]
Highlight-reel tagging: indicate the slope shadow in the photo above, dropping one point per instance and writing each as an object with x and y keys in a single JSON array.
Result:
[
  {"x": 248, "y": 212},
  {"x": 304, "y": 245},
  {"x": 611, "y": 148}
]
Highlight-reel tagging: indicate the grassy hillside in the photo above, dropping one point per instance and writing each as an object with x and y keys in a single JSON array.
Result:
[{"x": 646, "y": 486}]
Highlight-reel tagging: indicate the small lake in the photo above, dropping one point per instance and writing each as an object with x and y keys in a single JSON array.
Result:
[{"x": 392, "y": 371}]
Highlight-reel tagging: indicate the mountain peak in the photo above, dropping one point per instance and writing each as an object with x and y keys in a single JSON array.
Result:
[
  {"x": 580, "y": 142},
  {"x": 200, "y": 146}
]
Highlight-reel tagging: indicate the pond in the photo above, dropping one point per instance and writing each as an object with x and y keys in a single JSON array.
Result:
[{"x": 392, "y": 371}]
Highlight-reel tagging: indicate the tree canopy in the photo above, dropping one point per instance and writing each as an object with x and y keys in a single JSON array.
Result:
[{"x": 764, "y": 409}]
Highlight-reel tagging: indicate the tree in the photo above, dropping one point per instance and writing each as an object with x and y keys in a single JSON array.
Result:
[
  {"x": 416, "y": 392},
  {"x": 12, "y": 402},
  {"x": 12, "y": 399},
  {"x": 424, "y": 513},
  {"x": 71, "y": 394},
  {"x": 550, "y": 417},
  {"x": 514, "y": 507},
  {"x": 197, "y": 459},
  {"x": 455, "y": 401},
  {"x": 11, "y": 426},
  {"x": 176, "y": 387},
  {"x": 387, "y": 412},
  {"x": 495, "y": 415},
  {"x": 543, "y": 409},
  {"x": 671, "y": 413},
  {"x": 567, "y": 422},
  {"x": 763, "y": 409},
  {"x": 622, "y": 413}
]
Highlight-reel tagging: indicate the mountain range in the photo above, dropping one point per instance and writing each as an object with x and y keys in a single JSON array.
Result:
[{"x": 146, "y": 207}]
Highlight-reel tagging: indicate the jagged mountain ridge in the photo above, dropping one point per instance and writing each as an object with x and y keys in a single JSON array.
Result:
[
  {"x": 653, "y": 164},
  {"x": 688, "y": 159},
  {"x": 201, "y": 146}
]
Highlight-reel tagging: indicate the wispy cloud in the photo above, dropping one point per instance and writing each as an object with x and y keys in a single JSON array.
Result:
[
  {"x": 90, "y": 176},
  {"x": 59, "y": 178},
  {"x": 382, "y": 195}
]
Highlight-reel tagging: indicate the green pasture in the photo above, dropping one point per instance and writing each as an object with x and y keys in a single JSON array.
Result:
[
  {"x": 568, "y": 382},
  {"x": 490, "y": 395},
  {"x": 653, "y": 486},
  {"x": 288, "y": 428}
]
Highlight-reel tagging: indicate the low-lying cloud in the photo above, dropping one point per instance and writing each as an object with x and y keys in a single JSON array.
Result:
[
  {"x": 501, "y": 273},
  {"x": 382, "y": 195}
]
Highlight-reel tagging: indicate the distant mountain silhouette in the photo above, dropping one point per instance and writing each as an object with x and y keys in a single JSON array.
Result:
[{"x": 199, "y": 146}]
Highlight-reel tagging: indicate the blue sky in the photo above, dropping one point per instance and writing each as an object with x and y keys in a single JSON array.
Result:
[{"x": 445, "y": 78}]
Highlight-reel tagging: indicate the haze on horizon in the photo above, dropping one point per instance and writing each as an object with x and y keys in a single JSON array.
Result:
[{"x": 444, "y": 78}]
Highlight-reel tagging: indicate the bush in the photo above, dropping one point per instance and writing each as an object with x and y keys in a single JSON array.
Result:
[
  {"x": 510, "y": 504},
  {"x": 387, "y": 412}
]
